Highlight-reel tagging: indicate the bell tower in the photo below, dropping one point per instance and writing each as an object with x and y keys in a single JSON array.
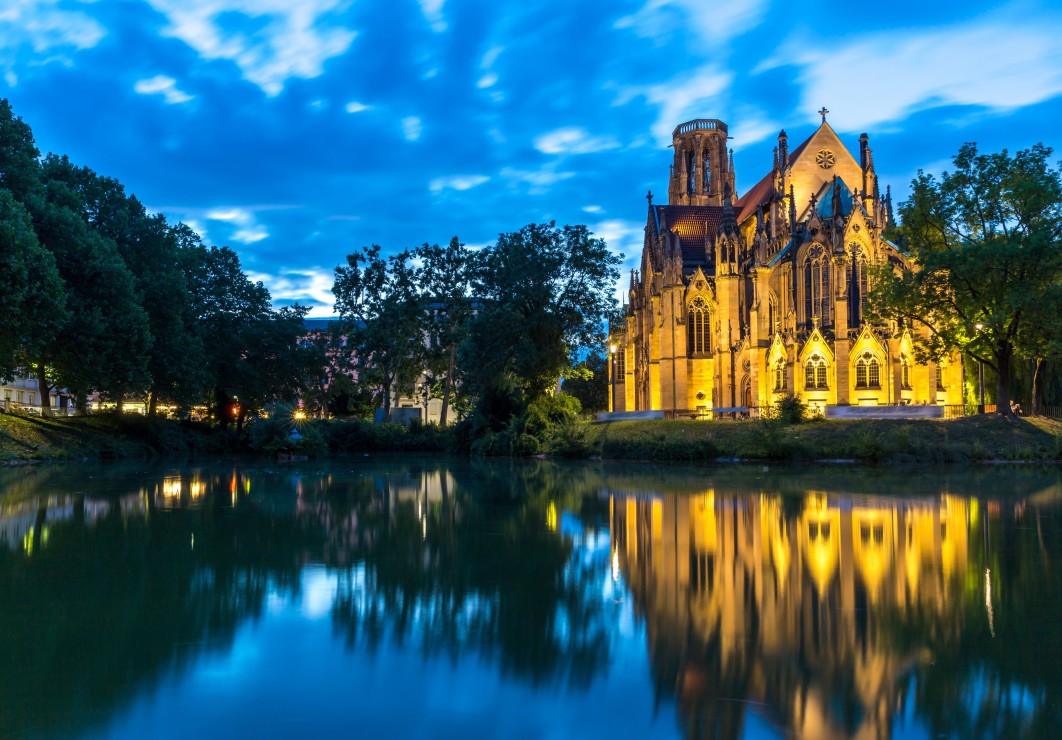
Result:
[{"x": 701, "y": 174}]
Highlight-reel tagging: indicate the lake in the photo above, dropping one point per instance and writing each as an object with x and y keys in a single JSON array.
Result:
[{"x": 430, "y": 598}]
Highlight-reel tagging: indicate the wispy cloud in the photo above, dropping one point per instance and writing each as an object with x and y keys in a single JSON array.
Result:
[
  {"x": 355, "y": 107},
  {"x": 713, "y": 22},
  {"x": 995, "y": 63},
  {"x": 681, "y": 99},
  {"x": 276, "y": 40},
  {"x": 537, "y": 181},
  {"x": 573, "y": 140},
  {"x": 310, "y": 286},
  {"x": 411, "y": 128},
  {"x": 44, "y": 29},
  {"x": 432, "y": 10},
  {"x": 247, "y": 230},
  {"x": 457, "y": 182},
  {"x": 164, "y": 86}
]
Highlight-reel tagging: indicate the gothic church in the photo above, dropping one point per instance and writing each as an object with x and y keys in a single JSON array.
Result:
[{"x": 741, "y": 300}]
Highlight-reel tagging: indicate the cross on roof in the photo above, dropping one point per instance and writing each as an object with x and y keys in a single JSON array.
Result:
[
  {"x": 823, "y": 113},
  {"x": 649, "y": 197}
]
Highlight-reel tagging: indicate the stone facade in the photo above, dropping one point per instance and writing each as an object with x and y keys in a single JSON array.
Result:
[{"x": 741, "y": 300}]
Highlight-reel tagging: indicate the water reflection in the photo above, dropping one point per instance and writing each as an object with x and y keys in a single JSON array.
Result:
[
  {"x": 840, "y": 616},
  {"x": 741, "y": 602}
]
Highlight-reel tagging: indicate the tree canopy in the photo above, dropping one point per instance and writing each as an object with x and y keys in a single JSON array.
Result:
[{"x": 986, "y": 240}]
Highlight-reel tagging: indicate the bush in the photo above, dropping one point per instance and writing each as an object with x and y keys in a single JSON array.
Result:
[
  {"x": 280, "y": 433},
  {"x": 790, "y": 409}
]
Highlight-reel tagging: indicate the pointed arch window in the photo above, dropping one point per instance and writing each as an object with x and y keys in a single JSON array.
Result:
[
  {"x": 858, "y": 285},
  {"x": 817, "y": 286},
  {"x": 698, "y": 327},
  {"x": 706, "y": 171},
  {"x": 779, "y": 375},
  {"x": 868, "y": 371},
  {"x": 905, "y": 373},
  {"x": 815, "y": 372},
  {"x": 691, "y": 173}
]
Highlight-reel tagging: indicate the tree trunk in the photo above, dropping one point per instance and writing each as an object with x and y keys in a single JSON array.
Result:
[
  {"x": 81, "y": 403},
  {"x": 448, "y": 386},
  {"x": 1037, "y": 403},
  {"x": 1003, "y": 356},
  {"x": 44, "y": 390},
  {"x": 152, "y": 402}
]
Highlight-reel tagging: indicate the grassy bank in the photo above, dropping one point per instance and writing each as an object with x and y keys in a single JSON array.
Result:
[
  {"x": 103, "y": 437},
  {"x": 972, "y": 439}
]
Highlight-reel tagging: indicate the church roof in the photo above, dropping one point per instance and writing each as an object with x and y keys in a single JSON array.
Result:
[
  {"x": 825, "y": 204},
  {"x": 696, "y": 226},
  {"x": 762, "y": 192}
]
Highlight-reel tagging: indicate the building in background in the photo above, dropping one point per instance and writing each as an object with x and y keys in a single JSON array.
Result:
[{"x": 739, "y": 301}]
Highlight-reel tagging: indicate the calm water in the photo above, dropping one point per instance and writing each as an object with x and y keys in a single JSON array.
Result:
[{"x": 422, "y": 599}]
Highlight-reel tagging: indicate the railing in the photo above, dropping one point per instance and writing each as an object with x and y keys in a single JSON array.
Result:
[
  {"x": 699, "y": 125},
  {"x": 737, "y": 412}
]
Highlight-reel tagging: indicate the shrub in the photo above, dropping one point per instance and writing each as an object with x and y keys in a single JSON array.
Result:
[
  {"x": 790, "y": 409},
  {"x": 281, "y": 433}
]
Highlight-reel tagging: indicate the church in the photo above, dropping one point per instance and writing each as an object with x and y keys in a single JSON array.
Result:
[{"x": 739, "y": 301}]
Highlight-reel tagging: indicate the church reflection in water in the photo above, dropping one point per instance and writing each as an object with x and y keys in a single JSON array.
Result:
[{"x": 786, "y": 605}]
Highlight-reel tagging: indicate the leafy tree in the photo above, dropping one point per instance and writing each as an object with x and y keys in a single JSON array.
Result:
[
  {"x": 445, "y": 281},
  {"x": 31, "y": 290},
  {"x": 150, "y": 250},
  {"x": 104, "y": 342},
  {"x": 588, "y": 382},
  {"x": 542, "y": 293},
  {"x": 986, "y": 243},
  {"x": 383, "y": 316},
  {"x": 19, "y": 166}
]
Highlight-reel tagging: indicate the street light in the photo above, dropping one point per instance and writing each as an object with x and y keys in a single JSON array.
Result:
[{"x": 980, "y": 376}]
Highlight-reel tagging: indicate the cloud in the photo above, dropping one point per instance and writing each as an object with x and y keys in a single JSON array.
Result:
[
  {"x": 593, "y": 209},
  {"x": 489, "y": 78},
  {"x": 457, "y": 182},
  {"x": 45, "y": 30},
  {"x": 162, "y": 85},
  {"x": 714, "y": 22},
  {"x": 682, "y": 99},
  {"x": 573, "y": 140},
  {"x": 411, "y": 128},
  {"x": 307, "y": 286},
  {"x": 248, "y": 231},
  {"x": 432, "y": 10},
  {"x": 993, "y": 63},
  {"x": 355, "y": 107},
  {"x": 271, "y": 41},
  {"x": 539, "y": 180}
]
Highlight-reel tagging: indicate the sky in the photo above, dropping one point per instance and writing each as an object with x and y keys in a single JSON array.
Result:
[{"x": 298, "y": 131}]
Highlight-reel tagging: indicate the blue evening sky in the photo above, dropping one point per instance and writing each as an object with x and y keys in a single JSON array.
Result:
[{"x": 296, "y": 131}]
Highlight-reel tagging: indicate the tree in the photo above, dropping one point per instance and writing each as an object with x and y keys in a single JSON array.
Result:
[
  {"x": 542, "y": 294},
  {"x": 150, "y": 250},
  {"x": 445, "y": 282},
  {"x": 31, "y": 291},
  {"x": 588, "y": 382},
  {"x": 985, "y": 240},
  {"x": 383, "y": 316},
  {"x": 104, "y": 342}
]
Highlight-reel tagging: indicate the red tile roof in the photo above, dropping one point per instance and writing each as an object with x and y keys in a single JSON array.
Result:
[
  {"x": 696, "y": 226},
  {"x": 762, "y": 192}
]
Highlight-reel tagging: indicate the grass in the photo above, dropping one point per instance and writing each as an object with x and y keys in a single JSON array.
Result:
[
  {"x": 103, "y": 437},
  {"x": 987, "y": 438},
  {"x": 972, "y": 439}
]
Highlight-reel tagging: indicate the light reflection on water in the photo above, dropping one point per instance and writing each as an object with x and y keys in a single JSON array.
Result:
[{"x": 435, "y": 599}]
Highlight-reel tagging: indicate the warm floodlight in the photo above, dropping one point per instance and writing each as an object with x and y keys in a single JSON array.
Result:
[{"x": 300, "y": 415}]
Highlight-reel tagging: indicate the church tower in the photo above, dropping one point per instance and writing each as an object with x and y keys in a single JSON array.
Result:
[{"x": 701, "y": 174}]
